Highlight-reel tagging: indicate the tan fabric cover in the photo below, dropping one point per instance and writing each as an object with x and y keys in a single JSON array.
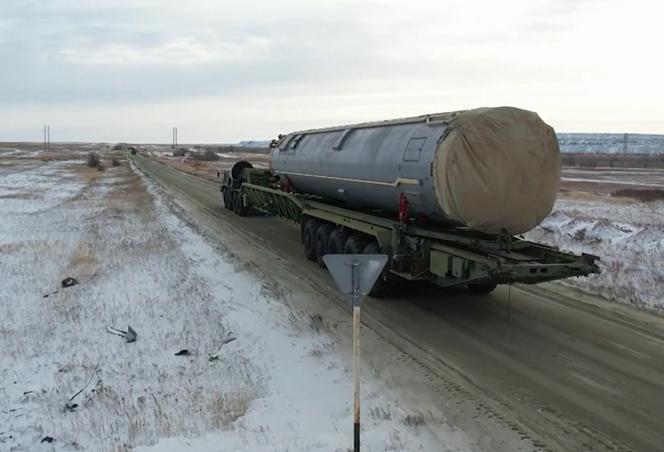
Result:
[{"x": 498, "y": 169}]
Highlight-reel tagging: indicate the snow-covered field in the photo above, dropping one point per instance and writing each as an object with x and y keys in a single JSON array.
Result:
[
  {"x": 282, "y": 384},
  {"x": 627, "y": 234}
]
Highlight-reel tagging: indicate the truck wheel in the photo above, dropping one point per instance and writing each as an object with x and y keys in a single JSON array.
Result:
[
  {"x": 238, "y": 208},
  {"x": 337, "y": 241},
  {"x": 382, "y": 285},
  {"x": 322, "y": 240},
  {"x": 356, "y": 243},
  {"x": 481, "y": 288},
  {"x": 227, "y": 200},
  {"x": 231, "y": 200},
  {"x": 234, "y": 204},
  {"x": 310, "y": 229}
]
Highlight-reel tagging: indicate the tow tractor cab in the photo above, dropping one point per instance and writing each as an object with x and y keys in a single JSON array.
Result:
[{"x": 444, "y": 254}]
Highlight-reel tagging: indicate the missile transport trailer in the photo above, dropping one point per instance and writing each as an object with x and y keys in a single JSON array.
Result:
[{"x": 442, "y": 195}]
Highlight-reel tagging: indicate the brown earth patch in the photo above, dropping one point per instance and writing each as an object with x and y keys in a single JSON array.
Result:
[{"x": 83, "y": 262}]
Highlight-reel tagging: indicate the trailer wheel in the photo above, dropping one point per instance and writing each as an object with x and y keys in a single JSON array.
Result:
[
  {"x": 303, "y": 225},
  {"x": 356, "y": 243},
  {"x": 309, "y": 238},
  {"x": 382, "y": 285},
  {"x": 322, "y": 239},
  {"x": 337, "y": 241},
  {"x": 481, "y": 288}
]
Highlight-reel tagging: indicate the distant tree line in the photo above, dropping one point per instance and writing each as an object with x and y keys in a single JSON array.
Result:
[{"x": 613, "y": 160}]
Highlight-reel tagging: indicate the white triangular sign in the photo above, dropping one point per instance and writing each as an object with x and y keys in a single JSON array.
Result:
[{"x": 367, "y": 269}]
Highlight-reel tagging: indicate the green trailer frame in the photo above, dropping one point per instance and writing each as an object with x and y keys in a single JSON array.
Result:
[{"x": 445, "y": 255}]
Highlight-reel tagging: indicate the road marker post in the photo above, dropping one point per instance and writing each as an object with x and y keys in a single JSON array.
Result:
[{"x": 355, "y": 276}]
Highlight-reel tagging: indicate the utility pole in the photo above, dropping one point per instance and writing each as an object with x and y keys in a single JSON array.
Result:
[{"x": 47, "y": 137}]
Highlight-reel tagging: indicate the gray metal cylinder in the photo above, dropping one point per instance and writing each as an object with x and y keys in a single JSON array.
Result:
[{"x": 492, "y": 169}]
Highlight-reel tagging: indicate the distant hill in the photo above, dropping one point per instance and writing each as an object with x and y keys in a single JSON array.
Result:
[{"x": 611, "y": 143}]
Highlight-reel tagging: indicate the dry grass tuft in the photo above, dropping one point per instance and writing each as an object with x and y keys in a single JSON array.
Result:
[
  {"x": 414, "y": 420},
  {"x": 380, "y": 413},
  {"x": 316, "y": 322},
  {"x": 209, "y": 155},
  {"x": 93, "y": 159},
  {"x": 643, "y": 195},
  {"x": 230, "y": 407},
  {"x": 83, "y": 262}
]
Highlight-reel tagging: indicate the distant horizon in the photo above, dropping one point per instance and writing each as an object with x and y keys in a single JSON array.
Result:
[
  {"x": 572, "y": 130},
  {"x": 235, "y": 143},
  {"x": 294, "y": 125}
]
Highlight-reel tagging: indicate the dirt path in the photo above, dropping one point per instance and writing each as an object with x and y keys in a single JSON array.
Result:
[{"x": 558, "y": 375}]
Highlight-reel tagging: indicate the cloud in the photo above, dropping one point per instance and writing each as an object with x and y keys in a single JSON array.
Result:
[
  {"x": 317, "y": 61},
  {"x": 174, "y": 52}
]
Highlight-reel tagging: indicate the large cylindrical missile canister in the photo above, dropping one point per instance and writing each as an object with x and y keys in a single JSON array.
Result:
[{"x": 495, "y": 170}]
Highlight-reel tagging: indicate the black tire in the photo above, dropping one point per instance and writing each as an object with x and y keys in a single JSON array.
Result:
[
  {"x": 227, "y": 199},
  {"x": 384, "y": 282},
  {"x": 481, "y": 288},
  {"x": 231, "y": 201},
  {"x": 321, "y": 242},
  {"x": 309, "y": 238},
  {"x": 303, "y": 225},
  {"x": 234, "y": 203},
  {"x": 238, "y": 208},
  {"x": 337, "y": 241},
  {"x": 356, "y": 243}
]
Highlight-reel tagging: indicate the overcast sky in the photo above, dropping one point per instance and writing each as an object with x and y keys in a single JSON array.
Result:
[{"x": 127, "y": 70}]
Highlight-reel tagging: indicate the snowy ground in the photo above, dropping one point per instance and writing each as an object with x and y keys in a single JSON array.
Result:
[
  {"x": 283, "y": 384},
  {"x": 627, "y": 234}
]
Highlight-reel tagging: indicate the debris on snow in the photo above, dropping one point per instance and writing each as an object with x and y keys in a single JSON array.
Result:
[
  {"x": 69, "y": 282},
  {"x": 70, "y": 405},
  {"x": 229, "y": 338},
  {"x": 130, "y": 335}
]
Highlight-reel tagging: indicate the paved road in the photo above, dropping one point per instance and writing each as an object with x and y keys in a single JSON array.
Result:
[{"x": 566, "y": 373}]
